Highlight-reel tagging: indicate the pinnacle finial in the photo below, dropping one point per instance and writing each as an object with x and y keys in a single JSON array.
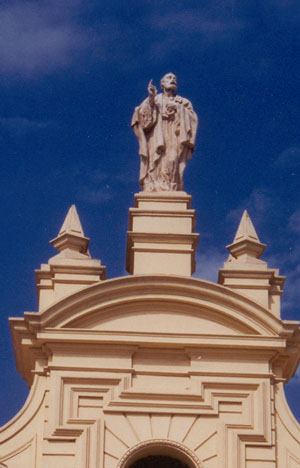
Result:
[
  {"x": 246, "y": 229},
  {"x": 71, "y": 224},
  {"x": 71, "y": 237},
  {"x": 72, "y": 268},
  {"x": 246, "y": 245}
]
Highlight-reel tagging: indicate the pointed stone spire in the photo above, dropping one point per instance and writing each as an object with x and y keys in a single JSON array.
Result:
[
  {"x": 246, "y": 228},
  {"x": 246, "y": 273},
  {"x": 71, "y": 241},
  {"x": 72, "y": 268},
  {"x": 72, "y": 224},
  {"x": 246, "y": 246}
]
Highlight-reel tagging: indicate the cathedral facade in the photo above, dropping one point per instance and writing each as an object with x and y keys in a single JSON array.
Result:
[{"x": 156, "y": 368}]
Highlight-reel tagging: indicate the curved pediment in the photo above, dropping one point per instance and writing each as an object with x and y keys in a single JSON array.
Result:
[
  {"x": 165, "y": 304},
  {"x": 157, "y": 317}
]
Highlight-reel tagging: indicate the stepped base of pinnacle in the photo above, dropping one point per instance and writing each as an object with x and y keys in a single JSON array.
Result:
[{"x": 161, "y": 238}]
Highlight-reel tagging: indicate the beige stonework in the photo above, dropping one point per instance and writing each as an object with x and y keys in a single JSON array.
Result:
[
  {"x": 161, "y": 236},
  {"x": 71, "y": 269},
  {"x": 245, "y": 272},
  {"x": 157, "y": 362}
]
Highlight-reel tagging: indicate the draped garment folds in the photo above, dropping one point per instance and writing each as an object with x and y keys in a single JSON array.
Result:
[{"x": 166, "y": 132}]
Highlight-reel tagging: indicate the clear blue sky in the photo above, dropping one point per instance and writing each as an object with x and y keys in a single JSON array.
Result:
[{"x": 71, "y": 74}]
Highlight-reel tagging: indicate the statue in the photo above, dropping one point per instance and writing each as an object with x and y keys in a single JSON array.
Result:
[{"x": 165, "y": 125}]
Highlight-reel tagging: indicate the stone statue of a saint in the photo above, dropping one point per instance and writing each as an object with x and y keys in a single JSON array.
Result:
[{"x": 165, "y": 125}]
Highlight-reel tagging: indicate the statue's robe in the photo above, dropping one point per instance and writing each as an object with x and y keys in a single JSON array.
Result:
[{"x": 166, "y": 132}]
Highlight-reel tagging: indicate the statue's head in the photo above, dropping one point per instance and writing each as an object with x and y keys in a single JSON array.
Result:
[{"x": 169, "y": 82}]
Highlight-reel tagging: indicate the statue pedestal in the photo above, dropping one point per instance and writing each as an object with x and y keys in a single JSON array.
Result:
[{"x": 161, "y": 237}]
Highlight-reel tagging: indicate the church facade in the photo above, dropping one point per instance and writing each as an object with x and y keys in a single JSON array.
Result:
[{"x": 156, "y": 368}]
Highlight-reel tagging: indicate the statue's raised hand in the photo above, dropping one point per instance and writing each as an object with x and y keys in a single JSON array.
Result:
[{"x": 152, "y": 91}]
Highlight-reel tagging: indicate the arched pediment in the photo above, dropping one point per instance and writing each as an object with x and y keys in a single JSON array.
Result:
[
  {"x": 161, "y": 316},
  {"x": 159, "y": 303}
]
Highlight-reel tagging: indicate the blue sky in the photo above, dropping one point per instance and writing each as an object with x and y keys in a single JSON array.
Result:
[{"x": 71, "y": 74}]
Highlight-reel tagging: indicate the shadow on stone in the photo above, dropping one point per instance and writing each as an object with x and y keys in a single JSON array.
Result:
[{"x": 158, "y": 461}]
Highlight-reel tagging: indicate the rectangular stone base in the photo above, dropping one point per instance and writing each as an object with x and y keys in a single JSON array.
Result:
[{"x": 161, "y": 237}]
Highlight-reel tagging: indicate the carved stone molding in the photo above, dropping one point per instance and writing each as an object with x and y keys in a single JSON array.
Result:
[{"x": 169, "y": 447}]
